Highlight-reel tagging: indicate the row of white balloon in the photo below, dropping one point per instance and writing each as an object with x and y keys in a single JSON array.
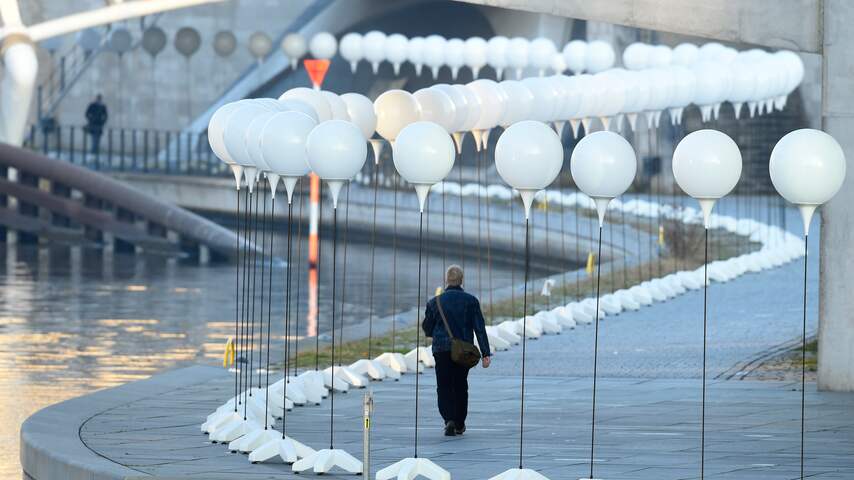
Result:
[
  {"x": 738, "y": 77},
  {"x": 434, "y": 51}
]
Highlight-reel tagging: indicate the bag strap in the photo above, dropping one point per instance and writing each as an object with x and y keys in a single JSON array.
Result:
[{"x": 442, "y": 314}]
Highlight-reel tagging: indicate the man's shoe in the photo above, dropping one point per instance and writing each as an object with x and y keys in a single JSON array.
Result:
[
  {"x": 450, "y": 429},
  {"x": 460, "y": 429}
]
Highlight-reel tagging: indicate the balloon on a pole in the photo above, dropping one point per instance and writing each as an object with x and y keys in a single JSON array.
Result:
[
  {"x": 436, "y": 107},
  {"x": 396, "y": 50},
  {"x": 336, "y": 151},
  {"x": 295, "y": 47},
  {"x": 395, "y": 109},
  {"x": 351, "y": 49},
  {"x": 528, "y": 157},
  {"x": 361, "y": 112},
  {"x": 603, "y": 166},
  {"x": 423, "y": 155},
  {"x": 707, "y": 166},
  {"x": 323, "y": 46},
  {"x": 807, "y": 168},
  {"x": 282, "y": 146}
]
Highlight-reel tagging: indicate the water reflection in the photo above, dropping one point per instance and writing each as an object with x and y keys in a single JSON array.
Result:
[{"x": 73, "y": 320}]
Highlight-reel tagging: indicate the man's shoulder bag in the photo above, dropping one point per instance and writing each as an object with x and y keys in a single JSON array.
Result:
[{"x": 462, "y": 353}]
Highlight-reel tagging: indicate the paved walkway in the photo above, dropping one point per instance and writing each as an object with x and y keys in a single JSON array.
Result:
[{"x": 646, "y": 429}]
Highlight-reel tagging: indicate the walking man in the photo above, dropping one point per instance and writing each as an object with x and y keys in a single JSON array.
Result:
[
  {"x": 464, "y": 319},
  {"x": 96, "y": 118}
]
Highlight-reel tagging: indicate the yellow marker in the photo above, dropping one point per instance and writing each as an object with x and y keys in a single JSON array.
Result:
[
  {"x": 661, "y": 235},
  {"x": 590, "y": 259},
  {"x": 228, "y": 355},
  {"x": 544, "y": 204},
  {"x": 438, "y": 291}
]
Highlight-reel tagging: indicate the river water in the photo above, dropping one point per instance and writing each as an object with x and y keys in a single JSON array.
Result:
[{"x": 73, "y": 320}]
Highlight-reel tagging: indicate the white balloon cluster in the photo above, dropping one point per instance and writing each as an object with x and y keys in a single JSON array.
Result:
[
  {"x": 760, "y": 79},
  {"x": 500, "y": 53},
  {"x": 304, "y": 130}
]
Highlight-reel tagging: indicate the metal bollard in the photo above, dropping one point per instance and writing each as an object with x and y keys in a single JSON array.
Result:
[{"x": 367, "y": 412}]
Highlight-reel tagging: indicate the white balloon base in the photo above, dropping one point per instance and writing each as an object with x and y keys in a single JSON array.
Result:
[
  {"x": 370, "y": 368},
  {"x": 286, "y": 449},
  {"x": 323, "y": 461},
  {"x": 313, "y": 386},
  {"x": 352, "y": 378},
  {"x": 395, "y": 361},
  {"x": 520, "y": 474},
  {"x": 411, "y": 468},
  {"x": 334, "y": 381}
]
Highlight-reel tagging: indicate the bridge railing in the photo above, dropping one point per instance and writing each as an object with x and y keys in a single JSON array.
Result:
[{"x": 129, "y": 150}]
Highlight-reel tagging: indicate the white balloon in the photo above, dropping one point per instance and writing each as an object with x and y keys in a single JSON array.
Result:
[
  {"x": 323, "y": 46},
  {"x": 253, "y": 140},
  {"x": 415, "y": 53},
  {"x": 474, "y": 53},
  {"x": 336, "y": 152},
  {"x": 684, "y": 85},
  {"x": 638, "y": 100},
  {"x": 461, "y": 107},
  {"x": 373, "y": 46},
  {"x": 591, "y": 96},
  {"x": 528, "y": 157},
  {"x": 807, "y": 167},
  {"x": 216, "y": 126},
  {"x": 434, "y": 53},
  {"x": 575, "y": 53},
  {"x": 544, "y": 105},
  {"x": 659, "y": 56},
  {"x": 615, "y": 93},
  {"x": 636, "y": 56},
  {"x": 312, "y": 97},
  {"x": 395, "y": 109},
  {"x": 423, "y": 155},
  {"x": 396, "y": 50},
  {"x": 711, "y": 51},
  {"x": 541, "y": 52},
  {"x": 707, "y": 164},
  {"x": 603, "y": 166},
  {"x": 496, "y": 53},
  {"x": 294, "y": 46},
  {"x": 351, "y": 49},
  {"x": 455, "y": 55},
  {"x": 436, "y": 107},
  {"x": 338, "y": 107},
  {"x": 491, "y": 101},
  {"x": 599, "y": 56},
  {"x": 234, "y": 131},
  {"x": 558, "y": 63},
  {"x": 361, "y": 112},
  {"x": 520, "y": 102},
  {"x": 517, "y": 54},
  {"x": 283, "y": 143},
  {"x": 572, "y": 97},
  {"x": 296, "y": 105},
  {"x": 685, "y": 54},
  {"x": 473, "y": 107}
]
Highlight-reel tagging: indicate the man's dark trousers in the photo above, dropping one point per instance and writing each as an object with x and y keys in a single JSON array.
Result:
[{"x": 452, "y": 388}]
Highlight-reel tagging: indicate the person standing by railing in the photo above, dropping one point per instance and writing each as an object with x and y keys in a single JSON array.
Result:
[{"x": 96, "y": 118}]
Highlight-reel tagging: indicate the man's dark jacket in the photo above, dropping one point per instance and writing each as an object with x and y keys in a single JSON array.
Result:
[
  {"x": 464, "y": 317},
  {"x": 96, "y": 117}
]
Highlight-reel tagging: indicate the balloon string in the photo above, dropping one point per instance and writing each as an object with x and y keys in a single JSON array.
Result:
[
  {"x": 244, "y": 342},
  {"x": 261, "y": 305},
  {"x": 524, "y": 338},
  {"x": 288, "y": 271},
  {"x": 417, "y": 326},
  {"x": 705, "y": 330},
  {"x": 317, "y": 268},
  {"x": 251, "y": 342},
  {"x": 299, "y": 283},
  {"x": 332, "y": 367},
  {"x": 804, "y": 357},
  {"x": 344, "y": 275},
  {"x": 394, "y": 269},
  {"x": 373, "y": 264},
  {"x": 462, "y": 223},
  {"x": 236, "y": 295},
  {"x": 489, "y": 257},
  {"x": 269, "y": 312},
  {"x": 595, "y": 350},
  {"x": 477, "y": 159}
]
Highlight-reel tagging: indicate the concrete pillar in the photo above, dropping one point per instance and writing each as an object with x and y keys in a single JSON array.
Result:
[{"x": 836, "y": 320}]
